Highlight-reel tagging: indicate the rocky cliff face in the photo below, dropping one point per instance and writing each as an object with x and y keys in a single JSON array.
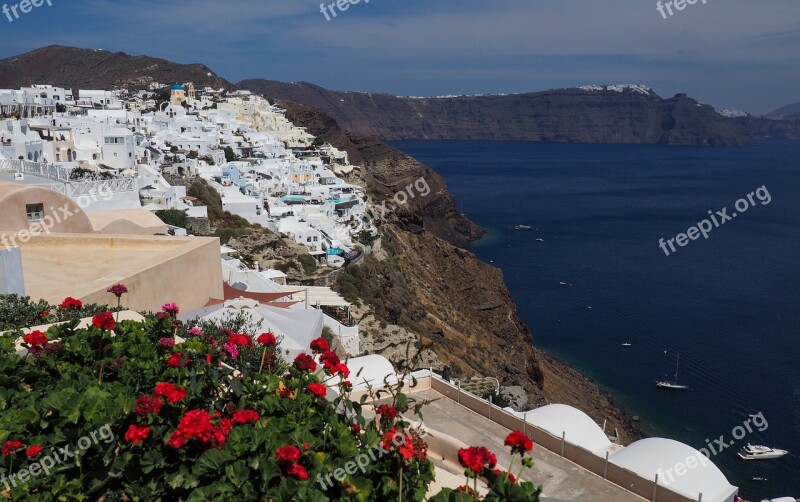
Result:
[
  {"x": 611, "y": 114},
  {"x": 75, "y": 69},
  {"x": 771, "y": 128},
  {"x": 423, "y": 280}
]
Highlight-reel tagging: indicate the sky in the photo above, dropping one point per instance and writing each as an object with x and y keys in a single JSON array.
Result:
[{"x": 738, "y": 54}]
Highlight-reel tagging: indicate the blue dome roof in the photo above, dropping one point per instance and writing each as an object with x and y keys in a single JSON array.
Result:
[{"x": 177, "y": 87}]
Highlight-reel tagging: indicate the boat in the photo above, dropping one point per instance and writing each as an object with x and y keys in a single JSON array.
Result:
[
  {"x": 672, "y": 385},
  {"x": 540, "y": 240},
  {"x": 523, "y": 227},
  {"x": 563, "y": 283},
  {"x": 760, "y": 452},
  {"x": 626, "y": 344}
]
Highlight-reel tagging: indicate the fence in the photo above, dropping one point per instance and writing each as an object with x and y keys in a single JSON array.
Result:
[
  {"x": 48, "y": 171},
  {"x": 630, "y": 481}
]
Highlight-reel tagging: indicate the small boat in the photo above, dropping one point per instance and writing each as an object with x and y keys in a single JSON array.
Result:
[
  {"x": 626, "y": 344},
  {"x": 523, "y": 227},
  {"x": 760, "y": 452},
  {"x": 563, "y": 283},
  {"x": 759, "y": 478},
  {"x": 672, "y": 385},
  {"x": 540, "y": 240}
]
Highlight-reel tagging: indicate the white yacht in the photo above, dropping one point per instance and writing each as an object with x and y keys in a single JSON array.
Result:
[{"x": 759, "y": 452}]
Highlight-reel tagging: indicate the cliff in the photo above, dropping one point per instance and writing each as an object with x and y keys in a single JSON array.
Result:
[
  {"x": 421, "y": 279},
  {"x": 609, "y": 114}
]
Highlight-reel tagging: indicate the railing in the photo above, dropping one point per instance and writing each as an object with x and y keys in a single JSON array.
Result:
[
  {"x": 49, "y": 171},
  {"x": 630, "y": 481}
]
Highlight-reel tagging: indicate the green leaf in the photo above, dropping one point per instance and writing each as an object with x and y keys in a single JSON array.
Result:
[{"x": 210, "y": 462}]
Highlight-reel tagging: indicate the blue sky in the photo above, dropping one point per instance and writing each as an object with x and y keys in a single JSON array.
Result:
[{"x": 742, "y": 54}]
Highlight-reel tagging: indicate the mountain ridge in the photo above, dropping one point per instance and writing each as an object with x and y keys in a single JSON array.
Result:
[{"x": 592, "y": 114}]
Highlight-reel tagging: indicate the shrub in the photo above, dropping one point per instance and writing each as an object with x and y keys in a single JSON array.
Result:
[{"x": 308, "y": 263}]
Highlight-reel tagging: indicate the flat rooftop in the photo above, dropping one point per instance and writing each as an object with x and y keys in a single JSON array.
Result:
[
  {"x": 561, "y": 479},
  {"x": 155, "y": 269}
]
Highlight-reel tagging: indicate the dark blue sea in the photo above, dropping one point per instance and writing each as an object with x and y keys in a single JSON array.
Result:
[{"x": 729, "y": 305}]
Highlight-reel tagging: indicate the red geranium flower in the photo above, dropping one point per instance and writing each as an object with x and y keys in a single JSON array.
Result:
[
  {"x": 297, "y": 471},
  {"x": 36, "y": 339},
  {"x": 386, "y": 411},
  {"x": 519, "y": 442},
  {"x": 146, "y": 405},
  {"x": 287, "y": 454},
  {"x": 240, "y": 340},
  {"x": 11, "y": 446},
  {"x": 320, "y": 345},
  {"x": 267, "y": 339},
  {"x": 343, "y": 370},
  {"x": 33, "y": 451},
  {"x": 71, "y": 303},
  {"x": 137, "y": 433},
  {"x": 170, "y": 392},
  {"x": 44, "y": 314},
  {"x": 178, "y": 360},
  {"x": 317, "y": 389},
  {"x": 510, "y": 476},
  {"x": 356, "y": 428},
  {"x": 104, "y": 320},
  {"x": 241, "y": 417},
  {"x": 476, "y": 458},
  {"x": 305, "y": 362}
]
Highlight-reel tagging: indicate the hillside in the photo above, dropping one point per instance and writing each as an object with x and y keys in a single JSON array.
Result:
[
  {"x": 421, "y": 279},
  {"x": 610, "y": 114},
  {"x": 75, "y": 69},
  {"x": 787, "y": 112}
]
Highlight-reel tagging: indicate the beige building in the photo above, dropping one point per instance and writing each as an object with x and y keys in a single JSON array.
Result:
[
  {"x": 65, "y": 251},
  {"x": 29, "y": 210},
  {"x": 156, "y": 270}
]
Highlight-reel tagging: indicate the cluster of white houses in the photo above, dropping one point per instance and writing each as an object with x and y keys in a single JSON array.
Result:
[
  {"x": 266, "y": 169},
  {"x": 100, "y": 158}
]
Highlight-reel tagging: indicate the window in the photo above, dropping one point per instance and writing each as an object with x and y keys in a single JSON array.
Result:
[{"x": 34, "y": 212}]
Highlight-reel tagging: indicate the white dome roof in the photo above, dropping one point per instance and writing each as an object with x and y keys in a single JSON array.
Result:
[
  {"x": 673, "y": 461},
  {"x": 373, "y": 369},
  {"x": 578, "y": 427}
]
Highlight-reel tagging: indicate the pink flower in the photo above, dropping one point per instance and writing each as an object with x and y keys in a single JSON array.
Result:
[
  {"x": 171, "y": 308},
  {"x": 195, "y": 331},
  {"x": 231, "y": 349},
  {"x": 168, "y": 342},
  {"x": 118, "y": 290}
]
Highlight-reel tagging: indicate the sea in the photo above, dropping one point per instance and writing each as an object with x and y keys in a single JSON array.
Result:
[{"x": 590, "y": 276}]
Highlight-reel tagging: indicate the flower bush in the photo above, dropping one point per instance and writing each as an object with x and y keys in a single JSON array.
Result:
[{"x": 197, "y": 420}]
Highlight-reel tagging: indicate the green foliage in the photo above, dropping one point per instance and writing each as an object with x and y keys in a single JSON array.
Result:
[
  {"x": 21, "y": 312},
  {"x": 192, "y": 154},
  {"x": 174, "y": 217},
  {"x": 230, "y": 155},
  {"x": 308, "y": 262},
  {"x": 287, "y": 265},
  {"x": 498, "y": 398},
  {"x": 54, "y": 399}
]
